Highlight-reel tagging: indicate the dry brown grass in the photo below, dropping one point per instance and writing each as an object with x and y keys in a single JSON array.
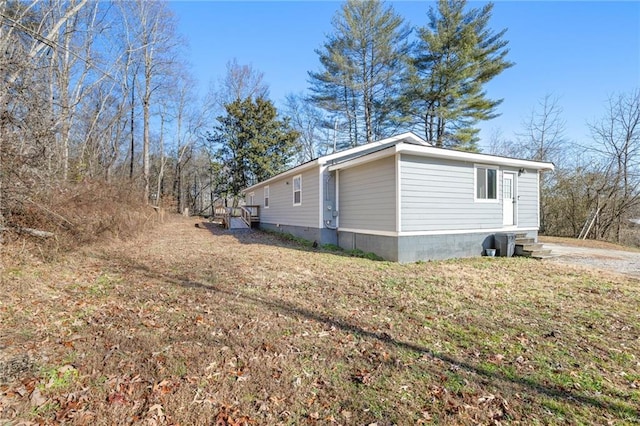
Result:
[
  {"x": 186, "y": 325},
  {"x": 587, "y": 243},
  {"x": 77, "y": 214}
]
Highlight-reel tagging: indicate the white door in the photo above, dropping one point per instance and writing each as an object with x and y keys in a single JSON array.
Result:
[{"x": 508, "y": 199}]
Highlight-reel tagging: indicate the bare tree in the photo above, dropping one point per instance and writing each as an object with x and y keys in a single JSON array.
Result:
[
  {"x": 74, "y": 74},
  {"x": 28, "y": 32},
  {"x": 617, "y": 136},
  {"x": 543, "y": 137},
  {"x": 151, "y": 31},
  {"x": 500, "y": 145},
  {"x": 310, "y": 123},
  {"x": 239, "y": 82}
]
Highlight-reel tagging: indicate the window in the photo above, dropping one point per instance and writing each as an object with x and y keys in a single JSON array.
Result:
[
  {"x": 297, "y": 190},
  {"x": 486, "y": 183},
  {"x": 250, "y": 198},
  {"x": 266, "y": 197}
]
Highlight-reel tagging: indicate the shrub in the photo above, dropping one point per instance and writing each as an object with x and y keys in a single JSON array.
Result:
[{"x": 77, "y": 214}]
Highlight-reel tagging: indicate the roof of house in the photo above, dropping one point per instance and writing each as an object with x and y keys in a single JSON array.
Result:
[{"x": 406, "y": 143}]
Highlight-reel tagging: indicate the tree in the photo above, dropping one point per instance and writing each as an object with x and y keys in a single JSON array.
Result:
[
  {"x": 456, "y": 55},
  {"x": 543, "y": 140},
  {"x": 253, "y": 144},
  {"x": 310, "y": 124},
  {"x": 617, "y": 137},
  {"x": 239, "y": 82},
  {"x": 152, "y": 40},
  {"x": 543, "y": 137},
  {"x": 362, "y": 61},
  {"x": 28, "y": 32}
]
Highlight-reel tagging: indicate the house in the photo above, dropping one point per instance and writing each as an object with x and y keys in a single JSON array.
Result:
[{"x": 403, "y": 199}]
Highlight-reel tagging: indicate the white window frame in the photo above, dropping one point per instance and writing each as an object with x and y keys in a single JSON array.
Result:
[
  {"x": 251, "y": 198},
  {"x": 486, "y": 167},
  {"x": 293, "y": 187},
  {"x": 266, "y": 196}
]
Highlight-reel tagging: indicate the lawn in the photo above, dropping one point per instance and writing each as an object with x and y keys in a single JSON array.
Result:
[{"x": 196, "y": 325}]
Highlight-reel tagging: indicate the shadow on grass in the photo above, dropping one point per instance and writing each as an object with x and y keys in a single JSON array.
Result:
[
  {"x": 257, "y": 236},
  {"x": 527, "y": 385}
]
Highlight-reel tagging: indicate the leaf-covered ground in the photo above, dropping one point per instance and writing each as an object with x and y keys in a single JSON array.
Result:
[{"x": 196, "y": 325}]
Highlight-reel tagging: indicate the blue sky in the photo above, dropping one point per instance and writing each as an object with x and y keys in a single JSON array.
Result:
[{"x": 579, "y": 52}]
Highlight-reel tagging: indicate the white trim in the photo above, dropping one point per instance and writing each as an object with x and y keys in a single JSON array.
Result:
[
  {"x": 466, "y": 231},
  {"x": 293, "y": 192},
  {"x": 337, "y": 200},
  {"x": 431, "y": 151},
  {"x": 443, "y": 153},
  {"x": 475, "y": 183},
  {"x": 398, "y": 193},
  {"x": 438, "y": 232},
  {"x": 320, "y": 197},
  {"x": 251, "y": 196},
  {"x": 539, "y": 197},
  {"x": 296, "y": 170},
  {"x": 370, "y": 232},
  {"x": 393, "y": 139},
  {"x": 386, "y": 152},
  {"x": 514, "y": 191},
  {"x": 266, "y": 196}
]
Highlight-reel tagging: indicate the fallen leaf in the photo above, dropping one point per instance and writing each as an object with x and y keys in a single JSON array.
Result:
[
  {"x": 116, "y": 398},
  {"x": 158, "y": 408},
  {"x": 37, "y": 399}
]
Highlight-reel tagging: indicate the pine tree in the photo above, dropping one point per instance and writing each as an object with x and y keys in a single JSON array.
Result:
[
  {"x": 254, "y": 144},
  {"x": 455, "y": 56},
  {"x": 361, "y": 63}
]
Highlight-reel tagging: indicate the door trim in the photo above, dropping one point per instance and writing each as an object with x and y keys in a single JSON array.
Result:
[{"x": 514, "y": 198}]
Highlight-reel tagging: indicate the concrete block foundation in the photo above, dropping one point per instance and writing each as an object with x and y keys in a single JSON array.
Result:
[{"x": 403, "y": 249}]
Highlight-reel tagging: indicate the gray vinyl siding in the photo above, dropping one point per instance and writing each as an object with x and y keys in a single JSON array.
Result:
[
  {"x": 528, "y": 202},
  {"x": 368, "y": 196},
  {"x": 438, "y": 195},
  {"x": 281, "y": 209}
]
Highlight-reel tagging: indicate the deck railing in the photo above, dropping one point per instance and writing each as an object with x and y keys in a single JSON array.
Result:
[{"x": 249, "y": 214}]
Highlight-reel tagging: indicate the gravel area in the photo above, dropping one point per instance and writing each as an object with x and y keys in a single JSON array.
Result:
[{"x": 623, "y": 262}]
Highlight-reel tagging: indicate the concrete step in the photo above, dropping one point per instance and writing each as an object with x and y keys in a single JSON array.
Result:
[
  {"x": 527, "y": 247},
  {"x": 523, "y": 241},
  {"x": 538, "y": 254}
]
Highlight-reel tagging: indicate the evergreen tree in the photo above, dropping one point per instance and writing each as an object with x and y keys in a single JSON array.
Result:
[
  {"x": 361, "y": 63},
  {"x": 455, "y": 56},
  {"x": 254, "y": 144}
]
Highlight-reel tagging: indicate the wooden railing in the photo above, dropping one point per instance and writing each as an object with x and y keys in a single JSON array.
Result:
[
  {"x": 250, "y": 215},
  {"x": 224, "y": 214}
]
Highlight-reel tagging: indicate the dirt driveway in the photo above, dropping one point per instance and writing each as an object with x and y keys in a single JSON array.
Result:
[{"x": 624, "y": 262}]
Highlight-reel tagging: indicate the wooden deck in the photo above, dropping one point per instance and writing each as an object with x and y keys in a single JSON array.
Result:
[{"x": 243, "y": 217}]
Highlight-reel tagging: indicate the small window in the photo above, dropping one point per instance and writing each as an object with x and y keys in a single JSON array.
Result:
[
  {"x": 250, "y": 198},
  {"x": 297, "y": 190},
  {"x": 266, "y": 197},
  {"x": 486, "y": 183}
]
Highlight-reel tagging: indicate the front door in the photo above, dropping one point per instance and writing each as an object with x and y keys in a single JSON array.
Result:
[{"x": 508, "y": 199}]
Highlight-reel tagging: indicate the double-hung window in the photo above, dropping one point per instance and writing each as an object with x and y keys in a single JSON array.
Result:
[
  {"x": 266, "y": 197},
  {"x": 297, "y": 190},
  {"x": 486, "y": 183}
]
